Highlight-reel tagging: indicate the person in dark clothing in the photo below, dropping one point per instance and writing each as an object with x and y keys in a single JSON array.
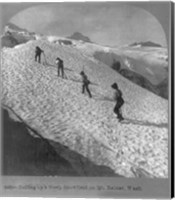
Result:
[
  {"x": 38, "y": 52},
  {"x": 60, "y": 65},
  {"x": 119, "y": 101},
  {"x": 86, "y": 83}
]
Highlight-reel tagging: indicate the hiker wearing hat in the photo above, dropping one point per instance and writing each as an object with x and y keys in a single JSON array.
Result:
[
  {"x": 38, "y": 52},
  {"x": 119, "y": 101},
  {"x": 60, "y": 66},
  {"x": 86, "y": 83}
]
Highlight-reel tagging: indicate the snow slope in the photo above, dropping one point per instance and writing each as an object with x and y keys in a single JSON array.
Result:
[{"x": 56, "y": 109}]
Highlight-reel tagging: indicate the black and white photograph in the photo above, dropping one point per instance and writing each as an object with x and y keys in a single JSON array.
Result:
[{"x": 85, "y": 90}]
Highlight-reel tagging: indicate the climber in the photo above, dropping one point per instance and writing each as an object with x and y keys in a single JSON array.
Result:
[
  {"x": 38, "y": 52},
  {"x": 86, "y": 83},
  {"x": 119, "y": 101},
  {"x": 60, "y": 65}
]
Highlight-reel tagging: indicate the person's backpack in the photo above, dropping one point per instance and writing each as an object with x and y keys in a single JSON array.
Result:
[
  {"x": 120, "y": 100},
  {"x": 60, "y": 63},
  {"x": 57, "y": 61},
  {"x": 38, "y": 50},
  {"x": 86, "y": 81}
]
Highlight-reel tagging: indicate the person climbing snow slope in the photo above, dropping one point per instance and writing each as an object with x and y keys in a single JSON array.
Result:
[
  {"x": 86, "y": 83},
  {"x": 60, "y": 66},
  {"x": 38, "y": 52},
  {"x": 119, "y": 101}
]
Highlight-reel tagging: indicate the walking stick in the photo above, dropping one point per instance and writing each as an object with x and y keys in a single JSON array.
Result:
[
  {"x": 65, "y": 75},
  {"x": 83, "y": 68}
]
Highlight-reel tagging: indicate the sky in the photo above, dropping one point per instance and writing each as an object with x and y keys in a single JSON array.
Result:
[{"x": 104, "y": 23}]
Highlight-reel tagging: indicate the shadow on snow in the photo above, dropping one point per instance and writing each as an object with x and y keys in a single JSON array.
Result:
[
  {"x": 24, "y": 154},
  {"x": 144, "y": 123}
]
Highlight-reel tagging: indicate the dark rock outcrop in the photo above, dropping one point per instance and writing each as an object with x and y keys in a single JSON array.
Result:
[
  {"x": 160, "y": 90},
  {"x": 145, "y": 44},
  {"x": 108, "y": 58},
  {"x": 79, "y": 36},
  {"x": 138, "y": 79},
  {"x": 163, "y": 88},
  {"x": 65, "y": 42}
]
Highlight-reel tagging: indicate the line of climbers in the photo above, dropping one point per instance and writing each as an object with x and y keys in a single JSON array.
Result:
[{"x": 85, "y": 86}]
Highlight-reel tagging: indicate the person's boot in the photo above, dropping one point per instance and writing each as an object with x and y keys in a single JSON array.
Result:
[
  {"x": 90, "y": 95},
  {"x": 120, "y": 119}
]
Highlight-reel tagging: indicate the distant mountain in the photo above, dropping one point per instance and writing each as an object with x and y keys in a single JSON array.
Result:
[
  {"x": 79, "y": 36},
  {"x": 117, "y": 63},
  {"x": 14, "y": 35},
  {"x": 14, "y": 27},
  {"x": 8, "y": 41},
  {"x": 145, "y": 44}
]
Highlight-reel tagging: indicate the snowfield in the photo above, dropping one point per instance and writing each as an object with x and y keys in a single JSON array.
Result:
[{"x": 57, "y": 109}]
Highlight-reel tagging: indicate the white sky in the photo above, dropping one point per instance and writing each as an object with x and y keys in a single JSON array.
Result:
[{"x": 104, "y": 23}]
